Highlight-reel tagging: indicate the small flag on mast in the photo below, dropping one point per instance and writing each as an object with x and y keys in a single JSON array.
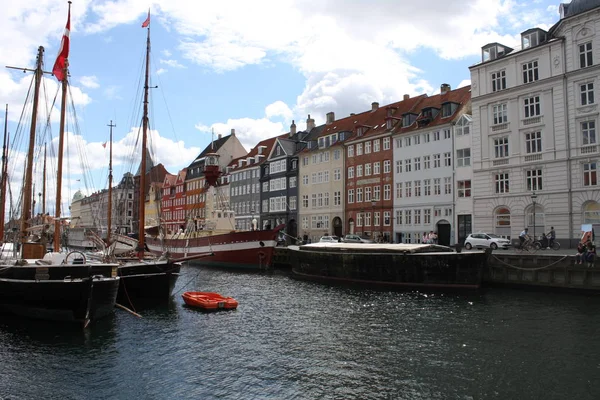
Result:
[
  {"x": 104, "y": 144},
  {"x": 63, "y": 53},
  {"x": 147, "y": 21}
]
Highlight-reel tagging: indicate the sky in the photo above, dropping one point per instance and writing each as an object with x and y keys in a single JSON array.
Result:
[{"x": 252, "y": 66}]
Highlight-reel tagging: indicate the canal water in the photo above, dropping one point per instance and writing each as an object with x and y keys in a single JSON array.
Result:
[{"x": 297, "y": 340}]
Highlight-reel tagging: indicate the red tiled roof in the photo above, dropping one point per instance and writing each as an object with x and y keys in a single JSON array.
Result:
[{"x": 268, "y": 143}]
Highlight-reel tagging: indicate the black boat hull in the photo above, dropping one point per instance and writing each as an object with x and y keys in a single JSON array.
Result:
[
  {"x": 151, "y": 281},
  {"x": 59, "y": 293}
]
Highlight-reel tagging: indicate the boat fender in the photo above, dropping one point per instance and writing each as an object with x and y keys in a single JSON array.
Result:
[{"x": 262, "y": 244}]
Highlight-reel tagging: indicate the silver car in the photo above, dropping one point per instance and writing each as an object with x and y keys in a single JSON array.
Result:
[
  {"x": 480, "y": 240},
  {"x": 350, "y": 238},
  {"x": 329, "y": 239}
]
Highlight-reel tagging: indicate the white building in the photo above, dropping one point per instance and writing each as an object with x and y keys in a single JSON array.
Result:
[
  {"x": 535, "y": 146},
  {"x": 424, "y": 168}
]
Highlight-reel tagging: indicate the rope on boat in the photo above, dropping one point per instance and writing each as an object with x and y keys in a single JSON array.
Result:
[
  {"x": 187, "y": 283},
  {"x": 127, "y": 309},
  {"x": 528, "y": 269}
]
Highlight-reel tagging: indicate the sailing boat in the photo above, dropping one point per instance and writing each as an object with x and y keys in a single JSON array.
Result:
[
  {"x": 54, "y": 286},
  {"x": 155, "y": 278}
]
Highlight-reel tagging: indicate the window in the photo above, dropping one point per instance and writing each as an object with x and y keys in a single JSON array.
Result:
[
  {"x": 436, "y": 160},
  {"x": 501, "y": 181},
  {"x": 387, "y": 166},
  {"x": 408, "y": 217},
  {"x": 367, "y": 147},
  {"x": 501, "y": 147},
  {"x": 351, "y": 172},
  {"x": 337, "y": 154},
  {"x": 585, "y": 55},
  {"x": 350, "y": 151},
  {"x": 314, "y": 200},
  {"x": 587, "y": 93},
  {"x": 463, "y": 157},
  {"x": 387, "y": 192},
  {"x": 447, "y": 159},
  {"x": 387, "y": 218},
  {"x": 408, "y": 189},
  {"x": 351, "y": 196},
  {"x": 529, "y": 40},
  {"x": 399, "y": 166},
  {"x": 337, "y": 198},
  {"x": 588, "y": 132},
  {"x": 436, "y": 136},
  {"x": 447, "y": 185},
  {"x": 407, "y": 164},
  {"x": 426, "y": 162},
  {"x": 293, "y": 180},
  {"x": 447, "y": 133},
  {"x": 305, "y": 201},
  {"x": 417, "y": 217},
  {"x": 427, "y": 137},
  {"x": 498, "y": 81},
  {"x": 437, "y": 183},
  {"x": 534, "y": 179},
  {"x": 417, "y": 163},
  {"x": 376, "y": 168},
  {"x": 359, "y": 195},
  {"x": 533, "y": 142},
  {"x": 359, "y": 219},
  {"x": 590, "y": 174},
  {"x": 386, "y": 143},
  {"x": 532, "y": 106},
  {"x": 337, "y": 174},
  {"x": 359, "y": 149},
  {"x": 376, "y": 145},
  {"x": 292, "y": 202},
  {"x": 359, "y": 171},
  {"x": 427, "y": 216},
  {"x": 377, "y": 193},
  {"x": 464, "y": 188},
  {"x": 376, "y": 218},
  {"x": 417, "y": 188},
  {"x": 417, "y": 139},
  {"x": 399, "y": 217},
  {"x": 500, "y": 114},
  {"x": 399, "y": 190},
  {"x": 367, "y": 169},
  {"x": 530, "y": 72},
  {"x": 368, "y": 193},
  {"x": 427, "y": 187}
]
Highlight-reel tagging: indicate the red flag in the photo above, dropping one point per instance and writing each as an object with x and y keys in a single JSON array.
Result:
[
  {"x": 147, "y": 21},
  {"x": 63, "y": 53},
  {"x": 104, "y": 144}
]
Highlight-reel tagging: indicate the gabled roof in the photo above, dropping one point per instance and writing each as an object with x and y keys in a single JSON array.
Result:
[
  {"x": 267, "y": 145},
  {"x": 460, "y": 96},
  {"x": 169, "y": 180}
]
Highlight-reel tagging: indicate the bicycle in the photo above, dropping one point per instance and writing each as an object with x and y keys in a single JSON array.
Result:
[{"x": 528, "y": 245}]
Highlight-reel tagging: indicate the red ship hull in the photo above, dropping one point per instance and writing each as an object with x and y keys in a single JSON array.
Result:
[{"x": 251, "y": 249}]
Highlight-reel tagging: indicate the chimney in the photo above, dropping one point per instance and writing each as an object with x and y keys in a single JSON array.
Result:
[
  {"x": 374, "y": 106},
  {"x": 330, "y": 118},
  {"x": 352, "y": 114},
  {"x": 445, "y": 88},
  {"x": 406, "y": 97},
  {"x": 310, "y": 123},
  {"x": 292, "y": 128},
  {"x": 220, "y": 135},
  {"x": 232, "y": 132}
]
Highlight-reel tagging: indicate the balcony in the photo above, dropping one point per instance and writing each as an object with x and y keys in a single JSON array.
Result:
[
  {"x": 531, "y": 121},
  {"x": 589, "y": 149},
  {"x": 533, "y": 157},
  {"x": 500, "y": 127},
  {"x": 500, "y": 161}
]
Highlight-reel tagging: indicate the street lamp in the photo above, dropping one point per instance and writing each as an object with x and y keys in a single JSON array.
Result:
[
  {"x": 253, "y": 222},
  {"x": 533, "y": 197}
]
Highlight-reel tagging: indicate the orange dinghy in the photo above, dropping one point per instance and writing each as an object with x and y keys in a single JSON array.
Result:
[{"x": 209, "y": 301}]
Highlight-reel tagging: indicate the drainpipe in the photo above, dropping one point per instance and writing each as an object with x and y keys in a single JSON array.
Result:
[{"x": 454, "y": 216}]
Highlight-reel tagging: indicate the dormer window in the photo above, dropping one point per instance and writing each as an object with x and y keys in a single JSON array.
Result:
[
  {"x": 321, "y": 142},
  {"x": 448, "y": 109},
  {"x": 493, "y": 51},
  {"x": 408, "y": 119},
  {"x": 532, "y": 38},
  {"x": 359, "y": 131}
]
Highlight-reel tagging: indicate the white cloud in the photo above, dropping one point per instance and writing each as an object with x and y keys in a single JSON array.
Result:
[
  {"x": 90, "y": 82},
  {"x": 172, "y": 63},
  {"x": 249, "y": 131},
  {"x": 161, "y": 71}
]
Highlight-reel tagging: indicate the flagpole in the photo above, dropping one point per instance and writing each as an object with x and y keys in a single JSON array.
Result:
[{"x": 61, "y": 138}]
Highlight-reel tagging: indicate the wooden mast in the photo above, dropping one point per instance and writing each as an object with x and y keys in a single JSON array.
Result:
[
  {"x": 142, "y": 195},
  {"x": 44, "y": 185},
  {"x": 3, "y": 181},
  {"x": 61, "y": 146},
  {"x": 26, "y": 207},
  {"x": 110, "y": 178}
]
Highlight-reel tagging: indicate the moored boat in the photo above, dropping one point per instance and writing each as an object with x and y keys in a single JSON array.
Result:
[
  {"x": 209, "y": 301},
  {"x": 389, "y": 265}
]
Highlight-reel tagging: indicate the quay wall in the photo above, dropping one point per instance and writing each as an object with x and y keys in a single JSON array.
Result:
[{"x": 538, "y": 270}]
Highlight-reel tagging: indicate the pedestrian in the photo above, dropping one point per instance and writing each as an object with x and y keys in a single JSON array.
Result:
[
  {"x": 590, "y": 254},
  {"x": 551, "y": 236},
  {"x": 579, "y": 257}
]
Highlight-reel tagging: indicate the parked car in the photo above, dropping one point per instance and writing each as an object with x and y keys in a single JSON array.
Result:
[
  {"x": 350, "y": 238},
  {"x": 480, "y": 240},
  {"x": 329, "y": 239}
]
